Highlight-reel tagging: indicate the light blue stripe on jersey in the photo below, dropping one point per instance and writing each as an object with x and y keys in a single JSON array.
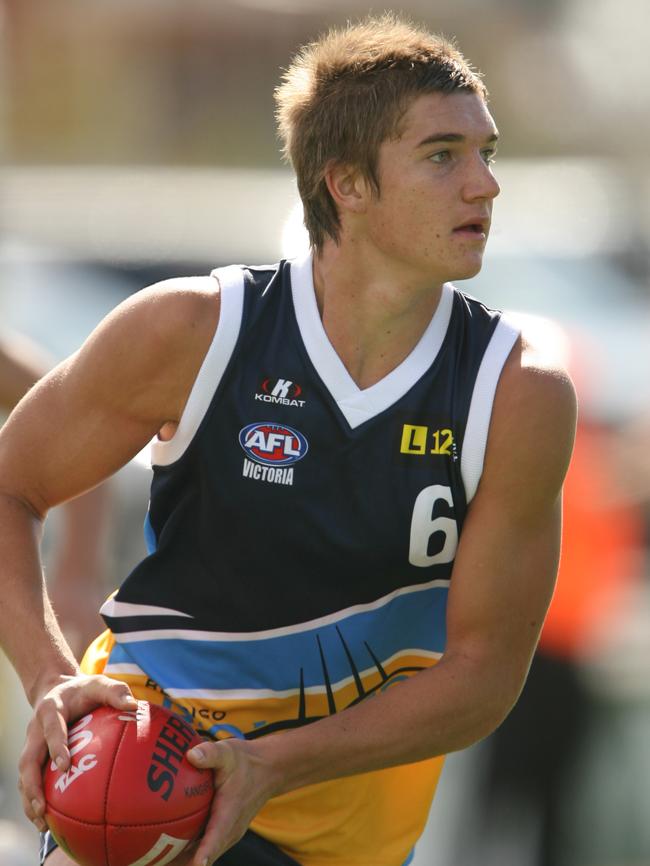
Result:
[
  {"x": 149, "y": 535},
  {"x": 409, "y": 859},
  {"x": 413, "y": 621}
]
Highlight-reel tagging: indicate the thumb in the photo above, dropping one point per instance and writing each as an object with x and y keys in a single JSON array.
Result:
[{"x": 216, "y": 756}]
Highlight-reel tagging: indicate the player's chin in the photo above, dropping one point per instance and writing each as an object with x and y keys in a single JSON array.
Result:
[{"x": 467, "y": 268}]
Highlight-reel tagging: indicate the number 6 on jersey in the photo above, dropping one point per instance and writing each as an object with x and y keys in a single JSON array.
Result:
[{"x": 424, "y": 525}]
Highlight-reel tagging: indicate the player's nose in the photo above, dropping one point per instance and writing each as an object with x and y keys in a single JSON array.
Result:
[{"x": 480, "y": 182}]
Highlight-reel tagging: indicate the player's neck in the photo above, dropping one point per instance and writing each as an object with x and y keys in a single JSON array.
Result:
[{"x": 373, "y": 313}]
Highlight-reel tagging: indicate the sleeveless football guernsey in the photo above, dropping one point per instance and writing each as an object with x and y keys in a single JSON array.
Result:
[{"x": 301, "y": 535}]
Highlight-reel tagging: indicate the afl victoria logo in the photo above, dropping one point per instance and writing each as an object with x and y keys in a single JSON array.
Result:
[{"x": 273, "y": 444}]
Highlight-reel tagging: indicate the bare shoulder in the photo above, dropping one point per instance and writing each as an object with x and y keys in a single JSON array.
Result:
[
  {"x": 171, "y": 310},
  {"x": 129, "y": 381},
  {"x": 157, "y": 340},
  {"x": 533, "y": 420},
  {"x": 535, "y": 378}
]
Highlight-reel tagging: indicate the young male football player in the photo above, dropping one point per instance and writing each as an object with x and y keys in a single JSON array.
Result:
[{"x": 355, "y": 513}]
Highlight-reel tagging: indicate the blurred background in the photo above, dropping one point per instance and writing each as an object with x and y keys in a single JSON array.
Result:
[{"x": 137, "y": 142}]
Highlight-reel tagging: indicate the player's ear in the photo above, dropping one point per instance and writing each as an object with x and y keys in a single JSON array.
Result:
[{"x": 347, "y": 186}]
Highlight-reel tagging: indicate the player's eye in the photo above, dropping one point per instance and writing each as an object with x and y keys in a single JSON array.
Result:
[
  {"x": 489, "y": 155},
  {"x": 440, "y": 156}
]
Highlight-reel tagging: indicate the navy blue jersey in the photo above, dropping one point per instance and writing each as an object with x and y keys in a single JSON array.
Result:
[{"x": 302, "y": 531}]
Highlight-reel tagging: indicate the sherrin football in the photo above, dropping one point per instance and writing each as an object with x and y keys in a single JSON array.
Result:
[{"x": 131, "y": 797}]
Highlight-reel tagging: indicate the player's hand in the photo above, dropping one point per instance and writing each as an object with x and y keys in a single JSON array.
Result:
[
  {"x": 47, "y": 733},
  {"x": 243, "y": 782}
]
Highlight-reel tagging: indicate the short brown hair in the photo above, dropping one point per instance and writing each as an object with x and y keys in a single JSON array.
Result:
[{"x": 346, "y": 92}]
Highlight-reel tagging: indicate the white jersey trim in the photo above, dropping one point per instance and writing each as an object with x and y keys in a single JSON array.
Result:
[
  {"x": 358, "y": 405},
  {"x": 114, "y": 608},
  {"x": 231, "y": 282},
  {"x": 262, "y": 694},
  {"x": 480, "y": 410},
  {"x": 125, "y": 669},
  {"x": 308, "y": 625}
]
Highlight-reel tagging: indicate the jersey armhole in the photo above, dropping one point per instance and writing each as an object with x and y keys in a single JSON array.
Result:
[
  {"x": 231, "y": 283},
  {"x": 480, "y": 409}
]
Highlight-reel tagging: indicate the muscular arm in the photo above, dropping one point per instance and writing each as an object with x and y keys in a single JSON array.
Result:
[
  {"x": 21, "y": 365},
  {"x": 502, "y": 583},
  {"x": 76, "y": 427},
  {"x": 75, "y": 579}
]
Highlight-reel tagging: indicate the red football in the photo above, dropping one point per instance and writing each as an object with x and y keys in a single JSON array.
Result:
[{"x": 131, "y": 797}]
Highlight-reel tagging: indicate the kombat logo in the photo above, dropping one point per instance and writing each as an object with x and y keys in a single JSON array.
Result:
[
  {"x": 272, "y": 448},
  {"x": 282, "y": 391}
]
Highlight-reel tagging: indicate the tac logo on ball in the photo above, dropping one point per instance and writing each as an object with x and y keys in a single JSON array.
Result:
[
  {"x": 273, "y": 444},
  {"x": 130, "y": 797}
]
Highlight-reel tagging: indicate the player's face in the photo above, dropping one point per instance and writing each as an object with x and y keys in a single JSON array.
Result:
[{"x": 437, "y": 187}]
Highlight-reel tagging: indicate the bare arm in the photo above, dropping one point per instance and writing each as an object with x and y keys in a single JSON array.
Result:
[
  {"x": 76, "y": 427},
  {"x": 21, "y": 365},
  {"x": 75, "y": 583},
  {"x": 501, "y": 586}
]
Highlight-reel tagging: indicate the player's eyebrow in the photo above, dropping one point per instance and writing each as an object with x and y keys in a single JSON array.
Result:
[{"x": 451, "y": 137}]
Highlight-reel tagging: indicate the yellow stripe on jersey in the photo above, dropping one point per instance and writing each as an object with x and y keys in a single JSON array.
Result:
[{"x": 372, "y": 819}]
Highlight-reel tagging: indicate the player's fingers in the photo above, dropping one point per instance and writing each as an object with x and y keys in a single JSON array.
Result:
[
  {"x": 216, "y": 756},
  {"x": 186, "y": 858},
  {"x": 104, "y": 690},
  {"x": 30, "y": 783},
  {"x": 223, "y": 830},
  {"x": 219, "y": 833},
  {"x": 53, "y": 725}
]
